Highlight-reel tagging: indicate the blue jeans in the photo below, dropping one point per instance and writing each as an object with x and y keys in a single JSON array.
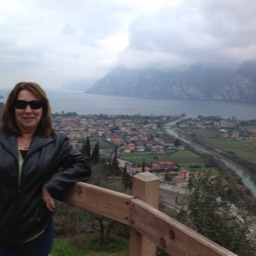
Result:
[{"x": 40, "y": 246}]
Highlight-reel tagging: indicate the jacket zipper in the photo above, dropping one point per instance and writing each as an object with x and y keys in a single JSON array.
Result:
[{"x": 21, "y": 161}]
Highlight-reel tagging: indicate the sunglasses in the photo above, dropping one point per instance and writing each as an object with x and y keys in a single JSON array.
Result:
[{"x": 34, "y": 104}]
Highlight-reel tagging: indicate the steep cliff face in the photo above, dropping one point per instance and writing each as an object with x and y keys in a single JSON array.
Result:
[
  {"x": 197, "y": 82},
  {"x": 242, "y": 86}
]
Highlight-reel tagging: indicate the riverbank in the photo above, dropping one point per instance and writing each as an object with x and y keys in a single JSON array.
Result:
[{"x": 202, "y": 150}]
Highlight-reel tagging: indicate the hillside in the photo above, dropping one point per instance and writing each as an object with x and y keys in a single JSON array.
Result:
[{"x": 196, "y": 82}]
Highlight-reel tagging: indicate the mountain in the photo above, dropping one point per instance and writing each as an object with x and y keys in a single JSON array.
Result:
[
  {"x": 196, "y": 82},
  {"x": 242, "y": 85}
]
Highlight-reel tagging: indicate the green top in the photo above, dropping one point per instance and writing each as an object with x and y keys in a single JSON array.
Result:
[{"x": 21, "y": 161}]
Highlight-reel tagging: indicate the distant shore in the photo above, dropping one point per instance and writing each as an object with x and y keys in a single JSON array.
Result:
[{"x": 83, "y": 104}]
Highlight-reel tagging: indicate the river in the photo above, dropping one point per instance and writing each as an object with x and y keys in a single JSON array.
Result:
[{"x": 247, "y": 181}]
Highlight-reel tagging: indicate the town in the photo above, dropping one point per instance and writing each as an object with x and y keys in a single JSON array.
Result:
[{"x": 145, "y": 135}]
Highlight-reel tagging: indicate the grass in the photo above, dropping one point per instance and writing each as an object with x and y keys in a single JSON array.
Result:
[
  {"x": 253, "y": 130},
  {"x": 243, "y": 149},
  {"x": 187, "y": 157},
  {"x": 65, "y": 248},
  {"x": 147, "y": 156},
  {"x": 113, "y": 246},
  {"x": 91, "y": 246},
  {"x": 184, "y": 157}
]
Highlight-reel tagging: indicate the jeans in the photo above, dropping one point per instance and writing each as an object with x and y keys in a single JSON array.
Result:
[{"x": 40, "y": 246}]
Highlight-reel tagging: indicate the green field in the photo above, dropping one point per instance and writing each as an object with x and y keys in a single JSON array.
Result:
[
  {"x": 246, "y": 150},
  {"x": 187, "y": 157},
  {"x": 243, "y": 149},
  {"x": 184, "y": 157},
  {"x": 253, "y": 130}
]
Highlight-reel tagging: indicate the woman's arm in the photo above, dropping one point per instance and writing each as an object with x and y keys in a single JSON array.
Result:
[
  {"x": 73, "y": 167},
  {"x": 49, "y": 201}
]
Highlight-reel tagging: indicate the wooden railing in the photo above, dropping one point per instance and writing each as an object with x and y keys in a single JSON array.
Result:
[{"x": 149, "y": 227}]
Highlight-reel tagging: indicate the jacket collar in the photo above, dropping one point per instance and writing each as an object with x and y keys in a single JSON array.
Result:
[
  {"x": 39, "y": 142},
  {"x": 9, "y": 142}
]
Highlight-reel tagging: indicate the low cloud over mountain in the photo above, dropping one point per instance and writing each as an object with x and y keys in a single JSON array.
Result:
[{"x": 199, "y": 82}]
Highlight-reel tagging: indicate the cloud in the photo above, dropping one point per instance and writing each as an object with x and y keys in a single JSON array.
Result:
[
  {"x": 209, "y": 31},
  {"x": 55, "y": 42}
]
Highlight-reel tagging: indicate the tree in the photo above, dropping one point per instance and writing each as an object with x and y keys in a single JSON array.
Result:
[
  {"x": 115, "y": 162},
  {"x": 87, "y": 147},
  {"x": 126, "y": 179},
  {"x": 213, "y": 209},
  {"x": 95, "y": 158},
  {"x": 177, "y": 142},
  {"x": 143, "y": 165}
]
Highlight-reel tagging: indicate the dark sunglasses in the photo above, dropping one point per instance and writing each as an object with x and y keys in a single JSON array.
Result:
[{"x": 34, "y": 104}]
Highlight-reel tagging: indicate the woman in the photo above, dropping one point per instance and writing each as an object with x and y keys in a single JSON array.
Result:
[{"x": 37, "y": 164}]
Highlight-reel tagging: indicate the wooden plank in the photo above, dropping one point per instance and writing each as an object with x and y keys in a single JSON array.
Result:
[
  {"x": 145, "y": 221},
  {"x": 135, "y": 246},
  {"x": 170, "y": 235},
  {"x": 105, "y": 202},
  {"x": 145, "y": 187}
]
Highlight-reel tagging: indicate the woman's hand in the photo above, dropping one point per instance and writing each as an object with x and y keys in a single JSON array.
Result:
[{"x": 49, "y": 201}]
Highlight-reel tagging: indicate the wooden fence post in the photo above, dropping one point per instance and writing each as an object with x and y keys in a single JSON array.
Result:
[{"x": 145, "y": 187}]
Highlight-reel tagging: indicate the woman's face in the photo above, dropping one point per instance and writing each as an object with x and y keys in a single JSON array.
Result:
[{"x": 28, "y": 116}]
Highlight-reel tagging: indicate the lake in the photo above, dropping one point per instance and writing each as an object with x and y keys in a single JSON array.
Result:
[{"x": 82, "y": 103}]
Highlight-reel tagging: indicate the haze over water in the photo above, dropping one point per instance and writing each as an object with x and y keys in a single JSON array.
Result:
[{"x": 82, "y": 103}]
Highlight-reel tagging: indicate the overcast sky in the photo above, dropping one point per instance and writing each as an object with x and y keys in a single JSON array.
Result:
[{"x": 55, "y": 42}]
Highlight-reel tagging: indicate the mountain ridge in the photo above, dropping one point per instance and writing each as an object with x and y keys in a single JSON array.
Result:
[{"x": 198, "y": 82}]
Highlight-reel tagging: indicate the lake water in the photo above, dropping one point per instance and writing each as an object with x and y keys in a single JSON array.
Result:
[{"x": 82, "y": 103}]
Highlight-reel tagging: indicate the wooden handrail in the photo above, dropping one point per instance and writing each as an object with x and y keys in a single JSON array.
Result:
[
  {"x": 145, "y": 220},
  {"x": 105, "y": 202}
]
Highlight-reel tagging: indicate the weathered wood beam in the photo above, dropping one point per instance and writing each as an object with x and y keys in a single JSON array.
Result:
[
  {"x": 105, "y": 202},
  {"x": 147, "y": 223},
  {"x": 170, "y": 235}
]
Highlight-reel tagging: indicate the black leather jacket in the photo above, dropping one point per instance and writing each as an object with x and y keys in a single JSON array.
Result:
[{"x": 50, "y": 162}]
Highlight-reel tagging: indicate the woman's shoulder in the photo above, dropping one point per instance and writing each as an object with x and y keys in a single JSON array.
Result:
[
  {"x": 6, "y": 137},
  {"x": 4, "y": 133}
]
